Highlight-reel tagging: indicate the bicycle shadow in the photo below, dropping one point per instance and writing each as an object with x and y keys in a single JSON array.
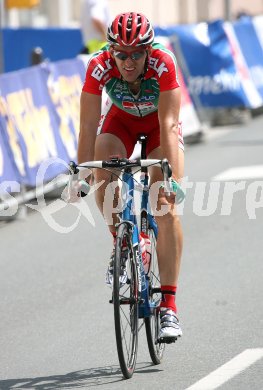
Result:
[{"x": 79, "y": 379}]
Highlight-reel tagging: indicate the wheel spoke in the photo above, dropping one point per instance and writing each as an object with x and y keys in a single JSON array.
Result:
[
  {"x": 152, "y": 323},
  {"x": 125, "y": 303}
]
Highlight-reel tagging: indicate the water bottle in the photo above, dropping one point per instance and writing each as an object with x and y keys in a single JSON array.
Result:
[{"x": 145, "y": 244}]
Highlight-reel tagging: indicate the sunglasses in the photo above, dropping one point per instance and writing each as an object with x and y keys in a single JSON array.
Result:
[{"x": 123, "y": 55}]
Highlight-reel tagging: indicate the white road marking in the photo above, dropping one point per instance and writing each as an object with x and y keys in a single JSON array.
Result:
[
  {"x": 240, "y": 173},
  {"x": 229, "y": 370}
]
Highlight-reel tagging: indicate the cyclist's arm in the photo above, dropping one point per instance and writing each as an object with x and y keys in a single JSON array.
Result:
[
  {"x": 90, "y": 111},
  {"x": 168, "y": 113}
]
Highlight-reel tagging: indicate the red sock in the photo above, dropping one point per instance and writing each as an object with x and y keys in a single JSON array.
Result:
[{"x": 168, "y": 297}]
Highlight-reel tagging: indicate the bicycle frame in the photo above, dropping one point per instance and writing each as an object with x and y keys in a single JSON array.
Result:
[{"x": 147, "y": 221}]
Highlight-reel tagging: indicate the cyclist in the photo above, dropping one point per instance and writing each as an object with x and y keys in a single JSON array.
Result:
[{"x": 143, "y": 95}]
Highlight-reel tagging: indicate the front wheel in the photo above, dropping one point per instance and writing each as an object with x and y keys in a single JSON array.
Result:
[
  {"x": 125, "y": 300},
  {"x": 152, "y": 323}
]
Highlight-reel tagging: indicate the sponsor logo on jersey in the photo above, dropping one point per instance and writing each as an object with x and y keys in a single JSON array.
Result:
[
  {"x": 135, "y": 106},
  {"x": 151, "y": 97},
  {"x": 99, "y": 71},
  {"x": 154, "y": 64}
]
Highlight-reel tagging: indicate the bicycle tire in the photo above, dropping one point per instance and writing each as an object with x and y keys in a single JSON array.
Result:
[
  {"x": 152, "y": 323},
  {"x": 125, "y": 300}
]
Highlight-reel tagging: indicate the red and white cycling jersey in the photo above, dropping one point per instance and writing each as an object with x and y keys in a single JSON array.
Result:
[{"x": 102, "y": 73}]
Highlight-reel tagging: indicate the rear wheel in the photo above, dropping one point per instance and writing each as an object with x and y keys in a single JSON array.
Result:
[
  {"x": 125, "y": 300},
  {"x": 152, "y": 323}
]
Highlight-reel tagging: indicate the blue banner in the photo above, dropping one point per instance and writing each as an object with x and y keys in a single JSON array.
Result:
[
  {"x": 8, "y": 171},
  {"x": 251, "y": 49},
  {"x": 56, "y": 43},
  {"x": 209, "y": 66},
  {"x": 65, "y": 82},
  {"x": 30, "y": 123}
]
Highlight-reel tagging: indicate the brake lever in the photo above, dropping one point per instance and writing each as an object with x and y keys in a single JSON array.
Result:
[
  {"x": 167, "y": 174},
  {"x": 73, "y": 174},
  {"x": 72, "y": 178},
  {"x": 73, "y": 168}
]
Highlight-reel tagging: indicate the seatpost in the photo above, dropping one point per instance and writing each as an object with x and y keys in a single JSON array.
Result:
[
  {"x": 143, "y": 140},
  {"x": 144, "y": 215}
]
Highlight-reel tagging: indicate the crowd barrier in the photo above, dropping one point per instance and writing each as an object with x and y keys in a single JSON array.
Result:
[
  {"x": 56, "y": 43},
  {"x": 222, "y": 62},
  {"x": 39, "y": 120},
  {"x": 221, "y": 65}
]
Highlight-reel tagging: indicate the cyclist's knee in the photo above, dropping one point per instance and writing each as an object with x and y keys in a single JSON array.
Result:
[{"x": 108, "y": 145}]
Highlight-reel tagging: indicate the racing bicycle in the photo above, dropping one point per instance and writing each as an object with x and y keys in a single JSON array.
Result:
[{"x": 136, "y": 302}]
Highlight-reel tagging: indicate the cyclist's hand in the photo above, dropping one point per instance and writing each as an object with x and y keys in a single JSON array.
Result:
[
  {"x": 75, "y": 190},
  {"x": 175, "y": 191}
]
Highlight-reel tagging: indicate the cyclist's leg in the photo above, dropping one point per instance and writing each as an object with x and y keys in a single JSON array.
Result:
[
  {"x": 108, "y": 145},
  {"x": 169, "y": 249},
  {"x": 113, "y": 139},
  {"x": 170, "y": 240},
  {"x": 107, "y": 195},
  {"x": 170, "y": 236}
]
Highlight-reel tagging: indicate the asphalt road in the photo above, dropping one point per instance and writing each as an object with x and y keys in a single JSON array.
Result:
[{"x": 56, "y": 325}]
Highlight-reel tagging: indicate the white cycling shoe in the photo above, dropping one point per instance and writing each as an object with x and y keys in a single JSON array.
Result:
[{"x": 170, "y": 329}]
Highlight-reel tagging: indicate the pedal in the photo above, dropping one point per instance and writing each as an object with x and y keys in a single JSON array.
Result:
[{"x": 166, "y": 340}]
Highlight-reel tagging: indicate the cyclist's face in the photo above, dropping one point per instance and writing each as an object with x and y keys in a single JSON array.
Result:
[{"x": 129, "y": 61}]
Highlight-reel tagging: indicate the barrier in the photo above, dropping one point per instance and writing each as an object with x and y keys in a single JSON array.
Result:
[
  {"x": 64, "y": 83},
  {"x": 39, "y": 109},
  {"x": 57, "y": 44},
  {"x": 8, "y": 170},
  {"x": 252, "y": 50},
  {"x": 30, "y": 122},
  {"x": 258, "y": 25},
  {"x": 188, "y": 115},
  {"x": 216, "y": 71}
]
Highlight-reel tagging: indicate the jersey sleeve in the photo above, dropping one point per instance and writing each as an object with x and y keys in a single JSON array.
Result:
[
  {"x": 166, "y": 69},
  {"x": 94, "y": 77}
]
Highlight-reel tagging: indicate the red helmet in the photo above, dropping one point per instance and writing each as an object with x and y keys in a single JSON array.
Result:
[{"x": 130, "y": 29}]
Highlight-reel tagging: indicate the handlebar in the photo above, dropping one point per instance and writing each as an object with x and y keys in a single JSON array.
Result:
[{"x": 122, "y": 164}]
